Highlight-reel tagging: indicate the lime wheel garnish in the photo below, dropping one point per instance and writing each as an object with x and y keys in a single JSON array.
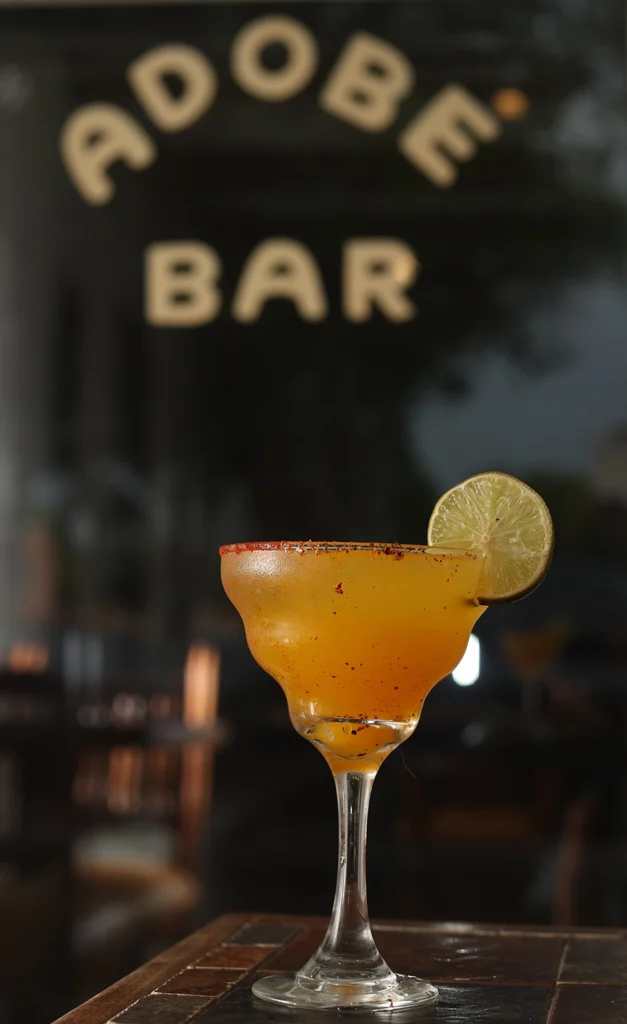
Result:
[{"x": 507, "y": 522}]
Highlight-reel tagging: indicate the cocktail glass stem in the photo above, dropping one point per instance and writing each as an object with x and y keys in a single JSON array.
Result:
[
  {"x": 347, "y": 970},
  {"x": 348, "y": 954}
]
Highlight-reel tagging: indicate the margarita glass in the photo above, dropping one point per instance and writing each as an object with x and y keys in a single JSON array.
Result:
[{"x": 356, "y": 635}]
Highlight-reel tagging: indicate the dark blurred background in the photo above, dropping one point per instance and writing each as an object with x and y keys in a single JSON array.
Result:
[{"x": 149, "y": 778}]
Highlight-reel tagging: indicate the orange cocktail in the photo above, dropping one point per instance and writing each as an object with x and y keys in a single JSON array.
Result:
[{"x": 356, "y": 634}]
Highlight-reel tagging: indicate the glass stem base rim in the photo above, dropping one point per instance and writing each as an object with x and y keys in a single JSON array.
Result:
[{"x": 289, "y": 990}]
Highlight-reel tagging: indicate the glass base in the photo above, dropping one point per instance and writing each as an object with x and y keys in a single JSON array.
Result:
[{"x": 291, "y": 990}]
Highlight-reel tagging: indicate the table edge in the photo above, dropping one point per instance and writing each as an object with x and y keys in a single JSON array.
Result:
[{"x": 103, "y": 1006}]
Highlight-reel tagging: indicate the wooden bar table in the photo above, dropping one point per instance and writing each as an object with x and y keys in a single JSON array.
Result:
[{"x": 486, "y": 974}]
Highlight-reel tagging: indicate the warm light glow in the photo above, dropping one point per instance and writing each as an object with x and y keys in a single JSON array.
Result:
[
  {"x": 510, "y": 104},
  {"x": 200, "y": 708},
  {"x": 28, "y": 657},
  {"x": 469, "y": 668},
  {"x": 200, "y": 691}
]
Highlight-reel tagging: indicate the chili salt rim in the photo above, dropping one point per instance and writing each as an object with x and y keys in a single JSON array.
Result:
[{"x": 301, "y": 546}]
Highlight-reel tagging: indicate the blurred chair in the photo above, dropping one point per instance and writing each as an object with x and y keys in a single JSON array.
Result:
[
  {"x": 125, "y": 911},
  {"x": 135, "y": 897}
]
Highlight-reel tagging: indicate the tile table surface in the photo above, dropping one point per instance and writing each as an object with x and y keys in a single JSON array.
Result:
[{"x": 486, "y": 974}]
